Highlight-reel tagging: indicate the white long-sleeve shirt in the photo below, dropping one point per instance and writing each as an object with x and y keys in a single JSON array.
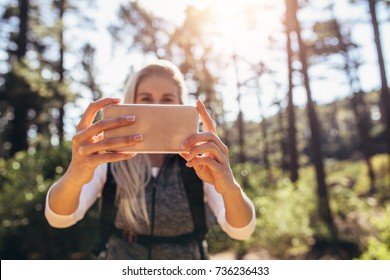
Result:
[{"x": 92, "y": 190}]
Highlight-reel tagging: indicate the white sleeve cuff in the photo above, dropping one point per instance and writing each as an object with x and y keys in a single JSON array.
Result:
[
  {"x": 56, "y": 220},
  {"x": 241, "y": 233}
]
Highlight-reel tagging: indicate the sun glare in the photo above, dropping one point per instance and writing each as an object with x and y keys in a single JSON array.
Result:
[
  {"x": 230, "y": 27},
  {"x": 243, "y": 27}
]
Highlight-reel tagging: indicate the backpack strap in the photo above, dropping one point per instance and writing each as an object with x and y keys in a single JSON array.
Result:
[
  {"x": 108, "y": 207},
  {"x": 108, "y": 211},
  {"x": 195, "y": 196}
]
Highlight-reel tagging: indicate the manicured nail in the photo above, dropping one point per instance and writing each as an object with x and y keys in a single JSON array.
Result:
[
  {"x": 185, "y": 155},
  {"x": 188, "y": 164},
  {"x": 138, "y": 137},
  {"x": 130, "y": 118},
  {"x": 184, "y": 144}
]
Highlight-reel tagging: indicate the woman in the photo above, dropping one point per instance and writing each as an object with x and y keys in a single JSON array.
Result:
[{"x": 153, "y": 210}]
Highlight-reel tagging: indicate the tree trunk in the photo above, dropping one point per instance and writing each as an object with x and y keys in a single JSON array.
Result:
[
  {"x": 240, "y": 125},
  {"x": 18, "y": 133},
  {"x": 240, "y": 117},
  {"x": 61, "y": 70},
  {"x": 21, "y": 40},
  {"x": 19, "y": 127},
  {"x": 292, "y": 132},
  {"x": 263, "y": 127},
  {"x": 241, "y": 138},
  {"x": 385, "y": 95},
  {"x": 282, "y": 139},
  {"x": 358, "y": 106},
  {"x": 359, "y": 109},
  {"x": 325, "y": 213},
  {"x": 334, "y": 124}
]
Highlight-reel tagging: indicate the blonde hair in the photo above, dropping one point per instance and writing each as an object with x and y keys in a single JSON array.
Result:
[
  {"x": 163, "y": 68},
  {"x": 132, "y": 175}
]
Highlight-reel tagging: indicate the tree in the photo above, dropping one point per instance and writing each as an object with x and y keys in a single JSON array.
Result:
[
  {"x": 240, "y": 116},
  {"x": 35, "y": 88},
  {"x": 20, "y": 101},
  {"x": 281, "y": 136},
  {"x": 357, "y": 101},
  {"x": 328, "y": 32},
  {"x": 139, "y": 30},
  {"x": 61, "y": 6},
  {"x": 292, "y": 142},
  {"x": 259, "y": 70},
  {"x": 385, "y": 94},
  {"x": 88, "y": 64},
  {"x": 185, "y": 45},
  {"x": 324, "y": 212}
]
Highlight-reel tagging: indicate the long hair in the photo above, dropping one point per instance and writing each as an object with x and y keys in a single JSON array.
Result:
[{"x": 132, "y": 175}]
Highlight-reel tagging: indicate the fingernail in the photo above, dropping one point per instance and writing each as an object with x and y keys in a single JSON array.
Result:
[
  {"x": 130, "y": 118},
  {"x": 183, "y": 146},
  {"x": 188, "y": 164},
  {"x": 138, "y": 137},
  {"x": 185, "y": 155}
]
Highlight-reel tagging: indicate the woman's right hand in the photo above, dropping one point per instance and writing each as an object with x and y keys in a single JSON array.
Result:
[{"x": 89, "y": 148}]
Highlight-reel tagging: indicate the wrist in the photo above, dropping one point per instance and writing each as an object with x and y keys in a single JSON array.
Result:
[
  {"x": 77, "y": 176},
  {"x": 232, "y": 189}
]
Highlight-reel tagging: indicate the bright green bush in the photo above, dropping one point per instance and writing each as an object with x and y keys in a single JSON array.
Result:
[
  {"x": 378, "y": 244},
  {"x": 24, "y": 232}
]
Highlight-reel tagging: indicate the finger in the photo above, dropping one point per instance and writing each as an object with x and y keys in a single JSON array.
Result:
[
  {"x": 112, "y": 157},
  {"x": 110, "y": 144},
  {"x": 200, "y": 162},
  {"x": 92, "y": 109},
  {"x": 100, "y": 136},
  {"x": 184, "y": 155},
  {"x": 200, "y": 137},
  {"x": 208, "y": 149},
  {"x": 205, "y": 117},
  {"x": 103, "y": 125}
]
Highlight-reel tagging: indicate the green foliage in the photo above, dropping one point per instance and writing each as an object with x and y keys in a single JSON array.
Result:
[
  {"x": 376, "y": 250},
  {"x": 287, "y": 222},
  {"x": 381, "y": 165},
  {"x": 284, "y": 217},
  {"x": 24, "y": 231},
  {"x": 378, "y": 245},
  {"x": 282, "y": 209}
]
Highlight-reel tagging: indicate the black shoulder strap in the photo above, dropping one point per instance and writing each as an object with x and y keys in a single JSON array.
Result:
[
  {"x": 108, "y": 211},
  {"x": 194, "y": 190},
  {"x": 108, "y": 207}
]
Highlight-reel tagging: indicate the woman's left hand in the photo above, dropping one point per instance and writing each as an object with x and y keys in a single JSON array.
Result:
[{"x": 208, "y": 155}]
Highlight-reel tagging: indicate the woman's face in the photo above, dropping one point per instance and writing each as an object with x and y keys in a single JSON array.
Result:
[{"x": 157, "y": 90}]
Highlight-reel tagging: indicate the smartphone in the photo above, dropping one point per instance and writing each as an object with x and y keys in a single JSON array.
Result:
[{"x": 164, "y": 127}]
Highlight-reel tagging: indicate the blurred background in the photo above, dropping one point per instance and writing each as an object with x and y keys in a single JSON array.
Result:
[{"x": 298, "y": 89}]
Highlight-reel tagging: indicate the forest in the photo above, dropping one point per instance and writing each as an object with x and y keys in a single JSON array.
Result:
[{"x": 298, "y": 90}]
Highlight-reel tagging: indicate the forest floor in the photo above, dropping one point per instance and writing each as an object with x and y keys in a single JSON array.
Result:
[
  {"x": 252, "y": 254},
  {"x": 353, "y": 229}
]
